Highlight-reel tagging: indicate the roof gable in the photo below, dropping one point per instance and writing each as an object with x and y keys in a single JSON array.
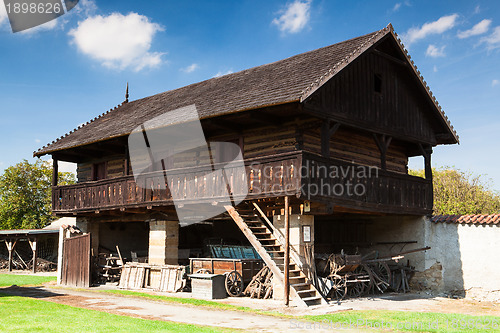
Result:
[{"x": 285, "y": 81}]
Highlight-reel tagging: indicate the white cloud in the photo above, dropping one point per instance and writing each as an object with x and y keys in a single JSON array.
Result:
[
  {"x": 294, "y": 17},
  {"x": 191, "y": 68},
  {"x": 221, "y": 73},
  {"x": 479, "y": 29},
  {"x": 430, "y": 28},
  {"x": 396, "y": 7},
  {"x": 435, "y": 69},
  {"x": 434, "y": 51},
  {"x": 38, "y": 140},
  {"x": 492, "y": 40},
  {"x": 118, "y": 41},
  {"x": 494, "y": 82},
  {"x": 477, "y": 10}
]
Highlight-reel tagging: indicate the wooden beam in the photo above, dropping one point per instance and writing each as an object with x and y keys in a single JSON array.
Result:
[
  {"x": 10, "y": 247},
  {"x": 383, "y": 143},
  {"x": 286, "y": 269},
  {"x": 55, "y": 171},
  {"x": 267, "y": 119},
  {"x": 328, "y": 129},
  {"x": 35, "y": 252},
  {"x": 389, "y": 57},
  {"x": 426, "y": 153}
]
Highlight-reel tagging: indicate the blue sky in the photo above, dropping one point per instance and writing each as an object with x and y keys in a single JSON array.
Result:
[{"x": 57, "y": 76}]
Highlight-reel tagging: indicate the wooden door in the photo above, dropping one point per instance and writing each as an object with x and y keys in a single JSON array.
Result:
[{"x": 76, "y": 261}]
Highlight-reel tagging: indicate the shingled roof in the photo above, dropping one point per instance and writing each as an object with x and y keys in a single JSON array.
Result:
[
  {"x": 285, "y": 81},
  {"x": 493, "y": 219}
]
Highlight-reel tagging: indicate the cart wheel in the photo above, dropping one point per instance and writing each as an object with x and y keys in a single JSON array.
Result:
[
  {"x": 234, "y": 284},
  {"x": 382, "y": 276},
  {"x": 359, "y": 282},
  {"x": 203, "y": 271},
  {"x": 339, "y": 287}
]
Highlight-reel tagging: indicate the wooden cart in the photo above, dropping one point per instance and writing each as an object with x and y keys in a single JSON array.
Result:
[{"x": 238, "y": 272}]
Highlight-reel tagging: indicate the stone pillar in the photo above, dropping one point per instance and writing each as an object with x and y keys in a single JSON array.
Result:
[
  {"x": 163, "y": 242},
  {"x": 297, "y": 240}
]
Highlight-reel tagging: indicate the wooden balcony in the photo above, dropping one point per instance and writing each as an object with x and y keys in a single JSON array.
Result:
[{"x": 298, "y": 174}]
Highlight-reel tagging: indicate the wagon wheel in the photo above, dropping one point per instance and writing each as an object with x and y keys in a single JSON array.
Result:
[
  {"x": 381, "y": 276},
  {"x": 359, "y": 282},
  {"x": 339, "y": 287},
  {"x": 234, "y": 284},
  {"x": 203, "y": 271}
]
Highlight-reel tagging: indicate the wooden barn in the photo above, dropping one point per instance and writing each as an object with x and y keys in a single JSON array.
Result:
[{"x": 325, "y": 137}]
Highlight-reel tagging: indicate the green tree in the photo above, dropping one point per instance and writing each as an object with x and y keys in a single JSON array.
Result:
[
  {"x": 25, "y": 194},
  {"x": 460, "y": 192}
]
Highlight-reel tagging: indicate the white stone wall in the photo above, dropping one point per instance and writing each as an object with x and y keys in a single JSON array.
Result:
[{"x": 469, "y": 256}]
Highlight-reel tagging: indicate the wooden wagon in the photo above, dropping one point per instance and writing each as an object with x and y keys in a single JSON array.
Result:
[{"x": 238, "y": 272}]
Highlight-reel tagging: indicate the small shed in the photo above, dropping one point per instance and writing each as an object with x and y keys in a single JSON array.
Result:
[
  {"x": 42, "y": 242},
  {"x": 26, "y": 246}
]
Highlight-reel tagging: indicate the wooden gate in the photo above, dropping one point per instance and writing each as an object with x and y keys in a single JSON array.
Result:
[{"x": 76, "y": 261}]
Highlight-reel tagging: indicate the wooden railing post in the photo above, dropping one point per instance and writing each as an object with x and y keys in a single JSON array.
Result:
[
  {"x": 55, "y": 172},
  {"x": 287, "y": 252}
]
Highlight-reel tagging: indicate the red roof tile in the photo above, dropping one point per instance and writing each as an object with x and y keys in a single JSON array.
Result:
[{"x": 467, "y": 219}]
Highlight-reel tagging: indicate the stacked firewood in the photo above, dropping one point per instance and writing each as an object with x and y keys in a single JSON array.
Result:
[{"x": 261, "y": 285}]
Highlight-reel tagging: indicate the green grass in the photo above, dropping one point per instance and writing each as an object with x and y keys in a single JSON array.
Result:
[
  {"x": 21, "y": 280},
  {"x": 409, "y": 321},
  {"x": 21, "y": 314}
]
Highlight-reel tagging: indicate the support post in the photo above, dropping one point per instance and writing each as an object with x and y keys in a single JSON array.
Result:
[
  {"x": 426, "y": 153},
  {"x": 10, "y": 247},
  {"x": 383, "y": 143},
  {"x": 62, "y": 234},
  {"x": 34, "y": 250},
  {"x": 55, "y": 172},
  {"x": 327, "y": 131},
  {"x": 286, "y": 269}
]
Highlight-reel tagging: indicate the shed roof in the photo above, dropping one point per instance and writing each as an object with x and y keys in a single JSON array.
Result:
[
  {"x": 27, "y": 232},
  {"x": 285, "y": 81},
  {"x": 493, "y": 219}
]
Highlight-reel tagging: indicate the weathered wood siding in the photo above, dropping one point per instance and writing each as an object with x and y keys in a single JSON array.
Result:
[
  {"x": 269, "y": 141},
  {"x": 115, "y": 167},
  {"x": 355, "y": 146},
  {"x": 399, "y": 109}
]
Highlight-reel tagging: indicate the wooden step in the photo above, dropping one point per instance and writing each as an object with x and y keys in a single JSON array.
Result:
[
  {"x": 263, "y": 233},
  {"x": 304, "y": 293},
  {"x": 312, "y": 298},
  {"x": 259, "y": 227},
  {"x": 300, "y": 285},
  {"x": 296, "y": 279}
]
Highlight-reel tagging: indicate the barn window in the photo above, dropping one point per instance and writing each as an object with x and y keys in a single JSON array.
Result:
[{"x": 377, "y": 83}]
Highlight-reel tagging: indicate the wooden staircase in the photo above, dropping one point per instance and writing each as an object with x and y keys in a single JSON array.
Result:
[{"x": 269, "y": 245}]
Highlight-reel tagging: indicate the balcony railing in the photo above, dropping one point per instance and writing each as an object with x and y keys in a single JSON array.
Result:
[{"x": 303, "y": 175}]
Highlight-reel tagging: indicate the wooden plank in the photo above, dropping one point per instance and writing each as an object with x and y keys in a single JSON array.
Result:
[{"x": 287, "y": 252}]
